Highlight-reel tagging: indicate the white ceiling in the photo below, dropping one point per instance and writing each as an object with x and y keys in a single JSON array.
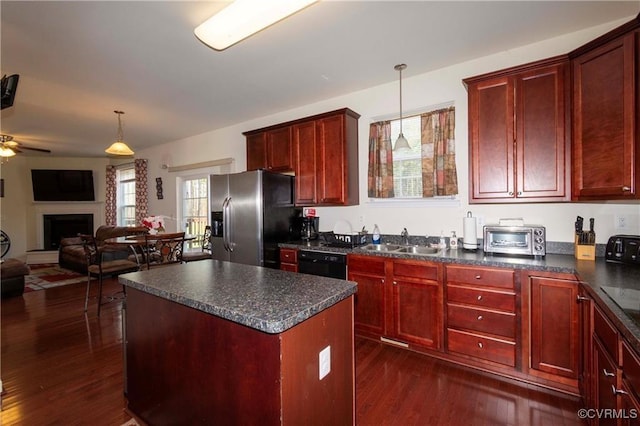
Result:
[{"x": 80, "y": 60}]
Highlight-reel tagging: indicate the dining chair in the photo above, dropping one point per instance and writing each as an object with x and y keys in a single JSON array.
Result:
[
  {"x": 164, "y": 249},
  {"x": 104, "y": 261},
  {"x": 205, "y": 248}
]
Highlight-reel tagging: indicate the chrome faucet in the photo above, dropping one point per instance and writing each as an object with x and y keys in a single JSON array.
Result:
[{"x": 405, "y": 236}]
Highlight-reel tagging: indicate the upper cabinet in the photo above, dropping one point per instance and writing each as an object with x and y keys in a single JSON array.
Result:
[
  {"x": 519, "y": 144},
  {"x": 270, "y": 150},
  {"x": 606, "y": 151},
  {"x": 321, "y": 150}
]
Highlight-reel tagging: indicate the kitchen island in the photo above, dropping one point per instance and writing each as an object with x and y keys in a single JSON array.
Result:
[{"x": 215, "y": 342}]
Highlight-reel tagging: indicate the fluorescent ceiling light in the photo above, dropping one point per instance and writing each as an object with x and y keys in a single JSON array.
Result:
[{"x": 243, "y": 18}]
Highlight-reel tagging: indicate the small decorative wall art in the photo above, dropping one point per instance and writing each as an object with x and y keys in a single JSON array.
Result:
[{"x": 159, "y": 188}]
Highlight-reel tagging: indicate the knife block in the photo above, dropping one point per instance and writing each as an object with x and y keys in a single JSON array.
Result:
[{"x": 584, "y": 251}]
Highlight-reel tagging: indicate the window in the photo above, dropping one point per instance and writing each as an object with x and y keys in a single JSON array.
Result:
[
  {"x": 425, "y": 171},
  {"x": 195, "y": 206},
  {"x": 407, "y": 166},
  {"x": 126, "y": 201}
]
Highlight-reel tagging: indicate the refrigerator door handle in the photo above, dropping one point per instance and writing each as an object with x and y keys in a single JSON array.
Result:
[
  {"x": 229, "y": 236},
  {"x": 225, "y": 224}
]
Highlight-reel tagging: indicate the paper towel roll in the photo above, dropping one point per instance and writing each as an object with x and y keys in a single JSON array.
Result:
[{"x": 470, "y": 237}]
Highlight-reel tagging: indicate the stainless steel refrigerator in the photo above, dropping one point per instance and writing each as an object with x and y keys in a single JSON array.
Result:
[{"x": 251, "y": 213}]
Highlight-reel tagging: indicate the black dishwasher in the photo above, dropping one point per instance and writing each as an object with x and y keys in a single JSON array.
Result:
[{"x": 325, "y": 264}]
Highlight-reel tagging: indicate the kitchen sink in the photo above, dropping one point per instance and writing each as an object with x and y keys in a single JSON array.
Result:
[
  {"x": 381, "y": 247},
  {"x": 393, "y": 248},
  {"x": 418, "y": 250}
]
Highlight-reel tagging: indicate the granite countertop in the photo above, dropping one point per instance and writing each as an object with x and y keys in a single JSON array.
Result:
[
  {"x": 265, "y": 299},
  {"x": 592, "y": 274}
]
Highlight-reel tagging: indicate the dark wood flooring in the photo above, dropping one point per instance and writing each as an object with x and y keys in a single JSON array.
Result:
[{"x": 60, "y": 367}]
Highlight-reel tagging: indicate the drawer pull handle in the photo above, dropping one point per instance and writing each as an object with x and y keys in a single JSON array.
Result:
[
  {"x": 626, "y": 188},
  {"x": 606, "y": 373},
  {"x": 618, "y": 391},
  {"x": 479, "y": 317},
  {"x": 480, "y": 345},
  {"x": 583, "y": 299},
  {"x": 478, "y": 277},
  {"x": 480, "y": 297},
  {"x": 395, "y": 282}
]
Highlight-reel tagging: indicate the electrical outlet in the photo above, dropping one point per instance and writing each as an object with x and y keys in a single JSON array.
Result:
[
  {"x": 325, "y": 362},
  {"x": 480, "y": 221},
  {"x": 620, "y": 221}
]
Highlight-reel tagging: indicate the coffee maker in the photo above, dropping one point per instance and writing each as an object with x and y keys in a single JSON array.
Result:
[{"x": 309, "y": 228}]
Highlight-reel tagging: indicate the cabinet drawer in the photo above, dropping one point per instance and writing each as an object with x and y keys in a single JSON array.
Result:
[
  {"x": 631, "y": 368},
  {"x": 505, "y": 301},
  {"x": 606, "y": 332},
  {"x": 502, "y": 278},
  {"x": 368, "y": 265},
  {"x": 483, "y": 347},
  {"x": 422, "y": 270},
  {"x": 500, "y": 323},
  {"x": 288, "y": 255}
]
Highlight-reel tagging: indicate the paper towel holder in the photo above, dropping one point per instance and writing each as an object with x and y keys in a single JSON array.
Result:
[{"x": 470, "y": 233}]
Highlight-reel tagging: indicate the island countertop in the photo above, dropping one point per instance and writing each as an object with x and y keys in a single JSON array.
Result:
[{"x": 265, "y": 299}]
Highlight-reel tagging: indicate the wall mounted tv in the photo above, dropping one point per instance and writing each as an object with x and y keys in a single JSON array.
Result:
[{"x": 62, "y": 185}]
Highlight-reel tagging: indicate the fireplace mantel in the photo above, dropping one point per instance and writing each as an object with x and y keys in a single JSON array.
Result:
[{"x": 96, "y": 208}]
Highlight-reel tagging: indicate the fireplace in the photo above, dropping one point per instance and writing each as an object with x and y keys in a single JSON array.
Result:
[{"x": 57, "y": 226}]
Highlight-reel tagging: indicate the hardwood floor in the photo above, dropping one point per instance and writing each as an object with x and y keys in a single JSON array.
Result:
[{"x": 59, "y": 367}]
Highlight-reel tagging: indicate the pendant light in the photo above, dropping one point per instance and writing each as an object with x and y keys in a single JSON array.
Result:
[
  {"x": 119, "y": 147},
  {"x": 401, "y": 143}
]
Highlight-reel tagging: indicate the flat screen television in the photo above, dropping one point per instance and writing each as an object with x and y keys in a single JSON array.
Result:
[{"x": 62, "y": 185}]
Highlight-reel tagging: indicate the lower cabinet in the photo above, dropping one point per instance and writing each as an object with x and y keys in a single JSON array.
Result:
[
  {"x": 398, "y": 300},
  {"x": 553, "y": 327},
  {"x": 289, "y": 260},
  {"x": 481, "y": 314}
]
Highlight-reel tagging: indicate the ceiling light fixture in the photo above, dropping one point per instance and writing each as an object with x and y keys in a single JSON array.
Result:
[
  {"x": 243, "y": 18},
  {"x": 6, "y": 152},
  {"x": 402, "y": 144},
  {"x": 119, "y": 147}
]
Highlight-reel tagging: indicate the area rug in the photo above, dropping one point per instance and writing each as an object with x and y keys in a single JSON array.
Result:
[{"x": 47, "y": 276}]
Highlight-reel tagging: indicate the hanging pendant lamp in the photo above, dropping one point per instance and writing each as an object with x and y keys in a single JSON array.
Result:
[
  {"x": 401, "y": 143},
  {"x": 119, "y": 147}
]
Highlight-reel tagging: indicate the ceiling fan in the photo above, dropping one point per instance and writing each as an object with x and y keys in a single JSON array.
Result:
[{"x": 9, "y": 146}]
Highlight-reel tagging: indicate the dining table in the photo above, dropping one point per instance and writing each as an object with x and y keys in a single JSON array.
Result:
[{"x": 137, "y": 244}]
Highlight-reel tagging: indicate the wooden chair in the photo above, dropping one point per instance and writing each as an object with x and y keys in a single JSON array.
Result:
[
  {"x": 164, "y": 249},
  {"x": 205, "y": 248},
  {"x": 104, "y": 261}
]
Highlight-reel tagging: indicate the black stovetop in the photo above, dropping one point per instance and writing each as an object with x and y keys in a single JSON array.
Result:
[{"x": 628, "y": 299}]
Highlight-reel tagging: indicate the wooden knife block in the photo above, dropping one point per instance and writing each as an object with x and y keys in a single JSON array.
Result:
[{"x": 584, "y": 252}]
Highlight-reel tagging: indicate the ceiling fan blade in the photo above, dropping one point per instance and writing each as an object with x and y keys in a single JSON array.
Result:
[{"x": 48, "y": 151}]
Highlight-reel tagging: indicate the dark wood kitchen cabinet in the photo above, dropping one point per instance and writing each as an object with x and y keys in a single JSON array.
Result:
[
  {"x": 519, "y": 143},
  {"x": 482, "y": 314},
  {"x": 606, "y": 150},
  {"x": 398, "y": 300},
  {"x": 270, "y": 150},
  {"x": 321, "y": 150},
  {"x": 553, "y": 328},
  {"x": 289, "y": 259}
]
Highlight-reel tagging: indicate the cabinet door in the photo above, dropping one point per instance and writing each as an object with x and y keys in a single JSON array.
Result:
[
  {"x": 369, "y": 304},
  {"x": 542, "y": 142},
  {"x": 492, "y": 137},
  {"x": 586, "y": 331},
  {"x": 605, "y": 372},
  {"x": 417, "y": 310},
  {"x": 306, "y": 165},
  {"x": 257, "y": 151},
  {"x": 554, "y": 329},
  {"x": 331, "y": 158},
  {"x": 279, "y": 150},
  {"x": 604, "y": 115}
]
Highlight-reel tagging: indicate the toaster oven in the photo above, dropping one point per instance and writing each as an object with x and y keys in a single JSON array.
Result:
[{"x": 516, "y": 240}]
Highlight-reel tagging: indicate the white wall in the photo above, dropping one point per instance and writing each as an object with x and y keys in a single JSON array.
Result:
[{"x": 419, "y": 91}]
